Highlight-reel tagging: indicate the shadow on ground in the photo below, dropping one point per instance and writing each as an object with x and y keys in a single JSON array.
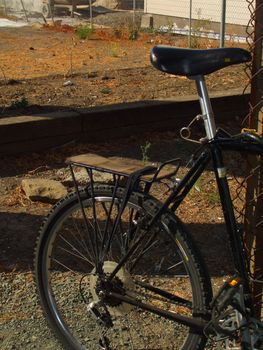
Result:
[{"x": 19, "y": 232}]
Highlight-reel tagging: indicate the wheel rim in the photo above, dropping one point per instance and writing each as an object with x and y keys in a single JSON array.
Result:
[{"x": 69, "y": 281}]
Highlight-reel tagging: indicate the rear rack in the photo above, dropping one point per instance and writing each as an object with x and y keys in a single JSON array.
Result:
[
  {"x": 132, "y": 174},
  {"x": 126, "y": 174}
]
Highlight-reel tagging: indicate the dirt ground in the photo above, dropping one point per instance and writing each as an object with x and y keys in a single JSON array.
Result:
[
  {"x": 50, "y": 67},
  {"x": 44, "y": 68}
]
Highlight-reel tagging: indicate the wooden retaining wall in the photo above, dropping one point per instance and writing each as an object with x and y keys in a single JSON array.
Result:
[{"x": 43, "y": 131}]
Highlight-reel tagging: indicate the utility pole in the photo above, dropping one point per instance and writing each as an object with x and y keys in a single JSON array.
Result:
[{"x": 254, "y": 200}]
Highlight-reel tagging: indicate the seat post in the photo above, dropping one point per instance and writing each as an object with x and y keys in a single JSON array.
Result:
[{"x": 206, "y": 107}]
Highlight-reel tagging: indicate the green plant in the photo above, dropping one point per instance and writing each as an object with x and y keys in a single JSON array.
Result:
[
  {"x": 149, "y": 30},
  {"x": 23, "y": 103},
  {"x": 134, "y": 34},
  {"x": 84, "y": 32},
  {"x": 115, "y": 50},
  {"x": 198, "y": 25},
  {"x": 105, "y": 90},
  {"x": 213, "y": 198},
  {"x": 145, "y": 151}
]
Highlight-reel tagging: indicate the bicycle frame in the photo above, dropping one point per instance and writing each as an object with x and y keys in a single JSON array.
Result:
[
  {"x": 127, "y": 251},
  {"x": 211, "y": 150}
]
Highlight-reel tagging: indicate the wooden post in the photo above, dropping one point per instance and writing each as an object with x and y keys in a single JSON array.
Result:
[{"x": 254, "y": 200}]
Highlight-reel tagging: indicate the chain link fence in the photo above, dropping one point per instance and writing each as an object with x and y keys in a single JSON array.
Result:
[
  {"x": 216, "y": 19},
  {"x": 254, "y": 121}
]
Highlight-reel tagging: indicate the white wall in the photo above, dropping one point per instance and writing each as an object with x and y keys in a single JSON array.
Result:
[{"x": 236, "y": 13}]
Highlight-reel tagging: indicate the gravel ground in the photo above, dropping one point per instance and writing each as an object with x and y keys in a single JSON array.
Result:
[
  {"x": 22, "y": 323},
  {"x": 23, "y": 326}
]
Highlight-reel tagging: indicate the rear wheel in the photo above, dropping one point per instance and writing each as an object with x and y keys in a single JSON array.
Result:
[{"x": 75, "y": 257}]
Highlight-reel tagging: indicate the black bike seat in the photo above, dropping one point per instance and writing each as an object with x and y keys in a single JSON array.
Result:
[{"x": 191, "y": 62}]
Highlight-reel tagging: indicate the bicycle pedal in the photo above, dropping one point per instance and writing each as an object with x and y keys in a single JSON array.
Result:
[{"x": 226, "y": 294}]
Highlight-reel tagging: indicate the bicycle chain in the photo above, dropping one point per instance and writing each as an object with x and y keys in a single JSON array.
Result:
[{"x": 177, "y": 303}]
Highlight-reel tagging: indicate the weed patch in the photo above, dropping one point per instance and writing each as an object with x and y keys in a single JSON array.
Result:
[{"x": 84, "y": 32}]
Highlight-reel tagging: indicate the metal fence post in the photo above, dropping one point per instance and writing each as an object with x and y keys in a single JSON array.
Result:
[
  {"x": 5, "y": 7},
  {"x": 90, "y": 14},
  {"x": 190, "y": 23},
  {"x": 223, "y": 24},
  {"x": 134, "y": 9},
  {"x": 24, "y": 9}
]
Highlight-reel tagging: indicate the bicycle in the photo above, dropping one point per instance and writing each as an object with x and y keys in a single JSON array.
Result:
[{"x": 112, "y": 261}]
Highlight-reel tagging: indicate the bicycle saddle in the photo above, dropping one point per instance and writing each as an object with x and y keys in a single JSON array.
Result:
[{"x": 190, "y": 62}]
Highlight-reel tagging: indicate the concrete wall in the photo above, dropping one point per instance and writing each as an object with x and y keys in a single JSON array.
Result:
[
  {"x": 236, "y": 13},
  {"x": 30, "y": 5}
]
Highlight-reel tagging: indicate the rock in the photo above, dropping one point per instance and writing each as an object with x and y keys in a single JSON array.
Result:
[
  {"x": 83, "y": 178},
  {"x": 43, "y": 190}
]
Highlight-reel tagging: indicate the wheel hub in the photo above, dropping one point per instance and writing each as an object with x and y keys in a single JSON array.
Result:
[{"x": 122, "y": 284}]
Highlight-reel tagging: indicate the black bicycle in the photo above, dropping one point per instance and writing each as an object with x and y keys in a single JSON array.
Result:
[{"x": 117, "y": 269}]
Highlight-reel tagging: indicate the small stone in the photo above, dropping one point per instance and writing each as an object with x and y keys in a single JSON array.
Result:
[
  {"x": 93, "y": 74},
  {"x": 68, "y": 83}
]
